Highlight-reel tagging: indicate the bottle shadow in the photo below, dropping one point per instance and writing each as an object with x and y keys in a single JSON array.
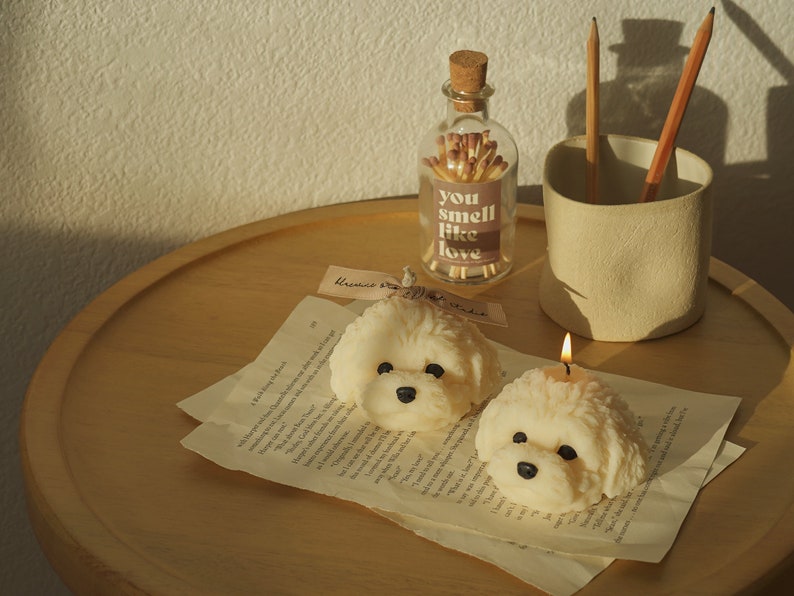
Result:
[{"x": 636, "y": 101}]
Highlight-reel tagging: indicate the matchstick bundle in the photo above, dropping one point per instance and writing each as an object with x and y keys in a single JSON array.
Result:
[
  {"x": 461, "y": 273},
  {"x": 466, "y": 157},
  {"x": 466, "y": 240}
]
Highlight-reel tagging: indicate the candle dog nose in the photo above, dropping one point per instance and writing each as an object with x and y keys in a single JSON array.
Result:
[
  {"x": 406, "y": 394},
  {"x": 526, "y": 470}
]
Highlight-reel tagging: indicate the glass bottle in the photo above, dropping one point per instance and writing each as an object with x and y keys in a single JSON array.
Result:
[{"x": 468, "y": 173}]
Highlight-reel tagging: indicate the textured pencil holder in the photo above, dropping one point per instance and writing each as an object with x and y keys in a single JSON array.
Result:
[{"x": 618, "y": 269}]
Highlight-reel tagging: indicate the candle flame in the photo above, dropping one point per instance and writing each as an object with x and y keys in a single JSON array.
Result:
[{"x": 565, "y": 355}]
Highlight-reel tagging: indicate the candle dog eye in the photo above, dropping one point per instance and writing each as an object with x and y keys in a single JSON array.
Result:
[
  {"x": 434, "y": 369},
  {"x": 385, "y": 367},
  {"x": 567, "y": 452},
  {"x": 519, "y": 437}
]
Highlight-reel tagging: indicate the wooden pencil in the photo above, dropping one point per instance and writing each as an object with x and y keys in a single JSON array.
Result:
[
  {"x": 591, "y": 114},
  {"x": 675, "y": 115}
]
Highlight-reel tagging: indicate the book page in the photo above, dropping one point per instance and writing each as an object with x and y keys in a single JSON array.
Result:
[
  {"x": 281, "y": 422},
  {"x": 555, "y": 573}
]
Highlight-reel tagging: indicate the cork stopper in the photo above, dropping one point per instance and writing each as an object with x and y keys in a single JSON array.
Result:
[{"x": 467, "y": 70}]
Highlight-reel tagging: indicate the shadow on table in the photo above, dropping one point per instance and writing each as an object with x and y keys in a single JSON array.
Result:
[{"x": 47, "y": 277}]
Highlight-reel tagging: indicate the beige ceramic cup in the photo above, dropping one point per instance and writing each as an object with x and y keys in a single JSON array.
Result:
[{"x": 618, "y": 269}]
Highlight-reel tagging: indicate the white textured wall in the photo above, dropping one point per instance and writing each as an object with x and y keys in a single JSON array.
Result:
[{"x": 130, "y": 127}]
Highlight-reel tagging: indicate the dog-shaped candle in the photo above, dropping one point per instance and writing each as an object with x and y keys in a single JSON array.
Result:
[
  {"x": 411, "y": 366},
  {"x": 558, "y": 439}
]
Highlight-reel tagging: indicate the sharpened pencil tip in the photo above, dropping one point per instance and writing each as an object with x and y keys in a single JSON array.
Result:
[{"x": 712, "y": 10}]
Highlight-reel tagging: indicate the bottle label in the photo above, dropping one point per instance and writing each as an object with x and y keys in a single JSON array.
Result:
[{"x": 467, "y": 222}]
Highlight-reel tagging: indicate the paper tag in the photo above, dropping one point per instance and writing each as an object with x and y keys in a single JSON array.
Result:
[{"x": 373, "y": 285}]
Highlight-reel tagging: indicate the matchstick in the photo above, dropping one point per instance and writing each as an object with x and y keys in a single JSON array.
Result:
[
  {"x": 434, "y": 164},
  {"x": 496, "y": 169},
  {"x": 442, "y": 151},
  {"x": 481, "y": 167},
  {"x": 466, "y": 158},
  {"x": 452, "y": 163}
]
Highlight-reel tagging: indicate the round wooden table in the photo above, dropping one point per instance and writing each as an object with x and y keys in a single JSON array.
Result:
[{"x": 120, "y": 507}]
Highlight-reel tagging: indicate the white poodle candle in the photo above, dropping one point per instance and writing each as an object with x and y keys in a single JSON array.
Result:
[
  {"x": 558, "y": 439},
  {"x": 411, "y": 366}
]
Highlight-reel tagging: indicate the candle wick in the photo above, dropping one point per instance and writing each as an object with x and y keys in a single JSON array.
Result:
[{"x": 567, "y": 368}]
